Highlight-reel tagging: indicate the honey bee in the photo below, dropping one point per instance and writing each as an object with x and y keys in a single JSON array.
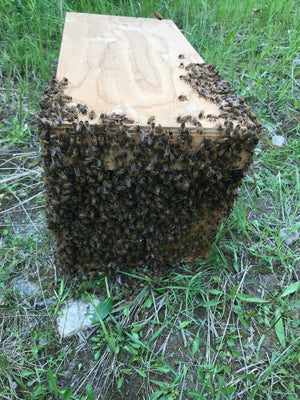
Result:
[
  {"x": 77, "y": 172},
  {"x": 71, "y": 117},
  {"x": 159, "y": 129},
  {"x": 167, "y": 152},
  {"x": 201, "y": 114},
  {"x": 219, "y": 125},
  {"x": 131, "y": 129},
  {"x": 190, "y": 66},
  {"x": 103, "y": 116},
  {"x": 44, "y": 121},
  {"x": 187, "y": 118},
  {"x": 157, "y": 16},
  {"x": 182, "y": 97},
  {"x": 64, "y": 98},
  {"x": 256, "y": 10},
  {"x": 92, "y": 115},
  {"x": 210, "y": 117},
  {"x": 151, "y": 120},
  {"x": 67, "y": 186},
  {"x": 87, "y": 126},
  {"x": 185, "y": 185},
  {"x": 181, "y": 65},
  {"x": 181, "y": 56},
  {"x": 79, "y": 126},
  {"x": 55, "y": 105}
]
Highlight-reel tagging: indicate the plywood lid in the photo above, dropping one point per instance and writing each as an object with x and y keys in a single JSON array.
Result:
[{"x": 132, "y": 66}]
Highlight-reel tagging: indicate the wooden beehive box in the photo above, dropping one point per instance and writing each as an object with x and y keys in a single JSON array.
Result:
[{"x": 144, "y": 145}]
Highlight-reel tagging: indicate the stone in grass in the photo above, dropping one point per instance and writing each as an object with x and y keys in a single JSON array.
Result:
[
  {"x": 278, "y": 140},
  {"x": 74, "y": 317},
  {"x": 24, "y": 287},
  {"x": 289, "y": 238}
]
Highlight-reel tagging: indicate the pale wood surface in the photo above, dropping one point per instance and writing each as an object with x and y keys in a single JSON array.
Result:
[{"x": 130, "y": 65}]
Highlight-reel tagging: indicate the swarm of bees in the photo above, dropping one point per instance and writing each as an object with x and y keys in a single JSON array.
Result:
[{"x": 120, "y": 195}]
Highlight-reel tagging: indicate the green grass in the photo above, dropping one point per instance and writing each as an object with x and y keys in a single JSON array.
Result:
[{"x": 231, "y": 329}]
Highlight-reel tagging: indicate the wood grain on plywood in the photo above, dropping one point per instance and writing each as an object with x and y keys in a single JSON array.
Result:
[{"x": 130, "y": 65}]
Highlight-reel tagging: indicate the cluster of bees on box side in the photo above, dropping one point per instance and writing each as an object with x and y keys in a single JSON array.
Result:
[{"x": 120, "y": 195}]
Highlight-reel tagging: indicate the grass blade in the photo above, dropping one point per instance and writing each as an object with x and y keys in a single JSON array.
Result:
[
  {"x": 250, "y": 299},
  {"x": 294, "y": 287},
  {"x": 279, "y": 328}
]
